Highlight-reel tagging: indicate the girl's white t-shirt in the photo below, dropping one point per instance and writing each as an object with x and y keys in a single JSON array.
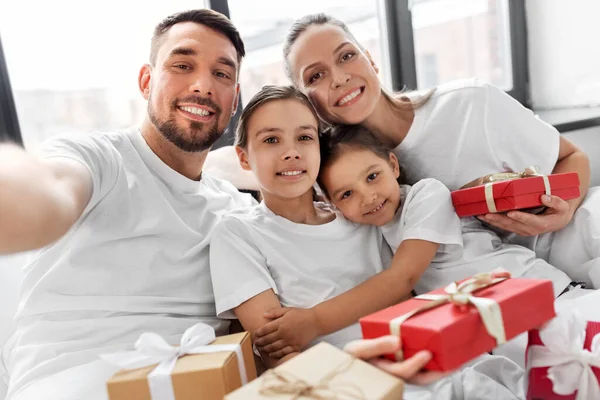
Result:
[
  {"x": 254, "y": 250},
  {"x": 467, "y": 246}
]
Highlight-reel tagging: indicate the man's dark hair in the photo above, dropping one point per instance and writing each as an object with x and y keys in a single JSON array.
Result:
[{"x": 209, "y": 18}]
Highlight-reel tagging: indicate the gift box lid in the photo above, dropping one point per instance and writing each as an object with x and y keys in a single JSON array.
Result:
[
  {"x": 218, "y": 372},
  {"x": 515, "y": 187},
  {"x": 448, "y": 329},
  {"x": 321, "y": 361}
]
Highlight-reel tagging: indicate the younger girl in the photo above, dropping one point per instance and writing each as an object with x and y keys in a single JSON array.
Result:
[{"x": 358, "y": 176}]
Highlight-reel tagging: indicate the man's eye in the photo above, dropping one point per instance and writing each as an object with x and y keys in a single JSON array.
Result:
[
  {"x": 182, "y": 66},
  {"x": 222, "y": 75}
]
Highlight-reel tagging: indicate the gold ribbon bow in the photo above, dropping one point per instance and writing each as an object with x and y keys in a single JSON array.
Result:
[
  {"x": 490, "y": 179},
  {"x": 275, "y": 383},
  {"x": 462, "y": 294}
]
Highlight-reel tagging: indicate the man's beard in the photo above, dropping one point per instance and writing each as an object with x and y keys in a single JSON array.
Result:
[{"x": 192, "y": 139}]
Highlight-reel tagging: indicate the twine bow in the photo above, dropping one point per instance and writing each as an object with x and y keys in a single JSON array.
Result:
[
  {"x": 570, "y": 363},
  {"x": 152, "y": 348},
  {"x": 275, "y": 383},
  {"x": 461, "y": 295}
]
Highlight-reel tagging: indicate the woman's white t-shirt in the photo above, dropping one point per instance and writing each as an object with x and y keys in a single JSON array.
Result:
[{"x": 254, "y": 250}]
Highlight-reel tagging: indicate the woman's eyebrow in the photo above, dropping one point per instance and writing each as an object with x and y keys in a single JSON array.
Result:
[{"x": 309, "y": 66}]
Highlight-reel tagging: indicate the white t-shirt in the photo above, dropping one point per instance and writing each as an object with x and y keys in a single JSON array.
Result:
[
  {"x": 468, "y": 247},
  {"x": 469, "y": 129},
  {"x": 136, "y": 261},
  {"x": 254, "y": 250}
]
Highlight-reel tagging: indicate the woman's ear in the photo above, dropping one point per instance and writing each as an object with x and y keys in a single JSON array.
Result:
[
  {"x": 243, "y": 158},
  {"x": 375, "y": 67},
  {"x": 395, "y": 165}
]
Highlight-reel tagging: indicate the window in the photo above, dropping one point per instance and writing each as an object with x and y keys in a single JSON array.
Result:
[
  {"x": 263, "y": 25},
  {"x": 464, "y": 38},
  {"x": 73, "y": 65}
]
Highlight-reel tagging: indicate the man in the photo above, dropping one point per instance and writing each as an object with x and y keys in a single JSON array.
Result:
[{"x": 124, "y": 220}]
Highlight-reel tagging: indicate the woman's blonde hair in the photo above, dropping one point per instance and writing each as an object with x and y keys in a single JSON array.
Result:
[{"x": 299, "y": 26}]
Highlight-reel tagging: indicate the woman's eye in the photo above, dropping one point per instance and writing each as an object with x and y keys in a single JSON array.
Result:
[
  {"x": 314, "y": 77},
  {"x": 346, "y": 194},
  {"x": 270, "y": 140},
  {"x": 372, "y": 176},
  {"x": 347, "y": 56}
]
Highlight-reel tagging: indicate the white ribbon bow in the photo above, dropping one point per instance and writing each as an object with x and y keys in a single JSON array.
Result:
[
  {"x": 152, "y": 349},
  {"x": 489, "y": 309},
  {"x": 570, "y": 364}
]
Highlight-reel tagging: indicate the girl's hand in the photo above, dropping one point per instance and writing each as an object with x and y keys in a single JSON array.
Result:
[
  {"x": 557, "y": 216},
  {"x": 291, "y": 330},
  {"x": 410, "y": 370}
]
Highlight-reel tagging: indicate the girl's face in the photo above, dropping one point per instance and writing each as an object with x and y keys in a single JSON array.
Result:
[
  {"x": 363, "y": 186},
  {"x": 336, "y": 75},
  {"x": 282, "y": 148}
]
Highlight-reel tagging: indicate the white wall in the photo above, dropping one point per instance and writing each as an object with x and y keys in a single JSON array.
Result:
[{"x": 564, "y": 60}]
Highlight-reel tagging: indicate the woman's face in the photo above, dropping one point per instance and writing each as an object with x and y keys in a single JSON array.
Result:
[{"x": 337, "y": 76}]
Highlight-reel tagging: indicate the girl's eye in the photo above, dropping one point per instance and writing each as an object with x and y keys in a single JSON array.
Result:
[
  {"x": 346, "y": 194},
  {"x": 305, "y": 137},
  {"x": 372, "y": 176},
  {"x": 270, "y": 140}
]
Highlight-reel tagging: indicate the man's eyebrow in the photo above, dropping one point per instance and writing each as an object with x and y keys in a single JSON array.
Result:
[
  {"x": 182, "y": 51},
  {"x": 227, "y": 61}
]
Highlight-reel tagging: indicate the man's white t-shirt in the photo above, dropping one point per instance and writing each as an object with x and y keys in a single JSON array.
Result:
[
  {"x": 467, "y": 246},
  {"x": 136, "y": 261},
  {"x": 254, "y": 250}
]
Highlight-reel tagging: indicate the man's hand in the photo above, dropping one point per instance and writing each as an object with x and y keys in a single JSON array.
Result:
[
  {"x": 291, "y": 330},
  {"x": 410, "y": 370},
  {"x": 557, "y": 216}
]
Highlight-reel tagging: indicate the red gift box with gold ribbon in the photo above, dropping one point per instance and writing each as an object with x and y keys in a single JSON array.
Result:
[
  {"x": 512, "y": 191},
  {"x": 464, "y": 320}
]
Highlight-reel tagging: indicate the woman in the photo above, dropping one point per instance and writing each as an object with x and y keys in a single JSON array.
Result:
[{"x": 454, "y": 133}]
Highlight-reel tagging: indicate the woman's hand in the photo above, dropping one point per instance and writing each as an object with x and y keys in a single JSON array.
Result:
[
  {"x": 410, "y": 370},
  {"x": 290, "y": 330},
  {"x": 557, "y": 215}
]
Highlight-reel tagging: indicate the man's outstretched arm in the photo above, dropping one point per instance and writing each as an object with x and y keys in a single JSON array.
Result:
[{"x": 39, "y": 199}]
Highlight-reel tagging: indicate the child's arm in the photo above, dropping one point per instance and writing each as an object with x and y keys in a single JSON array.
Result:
[
  {"x": 251, "y": 316},
  {"x": 295, "y": 328}
]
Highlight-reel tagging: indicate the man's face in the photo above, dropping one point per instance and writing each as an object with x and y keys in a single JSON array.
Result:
[{"x": 192, "y": 89}]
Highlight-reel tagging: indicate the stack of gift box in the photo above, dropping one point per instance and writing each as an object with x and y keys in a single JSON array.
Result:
[{"x": 456, "y": 323}]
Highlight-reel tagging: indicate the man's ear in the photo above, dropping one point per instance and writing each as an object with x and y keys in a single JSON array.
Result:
[
  {"x": 144, "y": 80},
  {"x": 395, "y": 165},
  {"x": 375, "y": 67},
  {"x": 243, "y": 158}
]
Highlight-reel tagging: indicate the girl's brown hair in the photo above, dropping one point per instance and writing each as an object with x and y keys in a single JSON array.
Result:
[
  {"x": 302, "y": 24},
  {"x": 265, "y": 95}
]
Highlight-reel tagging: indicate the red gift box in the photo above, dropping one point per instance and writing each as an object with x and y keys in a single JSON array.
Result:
[
  {"x": 514, "y": 194},
  {"x": 540, "y": 385},
  {"x": 456, "y": 334}
]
